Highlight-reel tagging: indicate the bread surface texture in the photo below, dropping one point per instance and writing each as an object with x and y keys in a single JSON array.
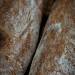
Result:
[{"x": 55, "y": 54}]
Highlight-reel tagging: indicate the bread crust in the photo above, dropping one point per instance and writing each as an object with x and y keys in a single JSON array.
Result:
[
  {"x": 19, "y": 30},
  {"x": 55, "y": 54}
]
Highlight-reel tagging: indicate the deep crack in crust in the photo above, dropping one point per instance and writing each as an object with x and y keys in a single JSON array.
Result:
[
  {"x": 3, "y": 38},
  {"x": 56, "y": 52}
]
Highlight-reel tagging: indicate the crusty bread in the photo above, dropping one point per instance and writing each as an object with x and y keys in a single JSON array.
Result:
[
  {"x": 56, "y": 52},
  {"x": 19, "y": 30}
]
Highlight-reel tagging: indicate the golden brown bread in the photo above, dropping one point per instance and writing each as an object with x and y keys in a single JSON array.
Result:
[{"x": 56, "y": 52}]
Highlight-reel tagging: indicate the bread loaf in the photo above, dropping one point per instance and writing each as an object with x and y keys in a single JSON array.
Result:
[
  {"x": 19, "y": 30},
  {"x": 55, "y": 54}
]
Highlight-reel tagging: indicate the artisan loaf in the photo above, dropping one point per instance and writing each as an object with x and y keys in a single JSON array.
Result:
[
  {"x": 55, "y": 54},
  {"x": 19, "y": 30}
]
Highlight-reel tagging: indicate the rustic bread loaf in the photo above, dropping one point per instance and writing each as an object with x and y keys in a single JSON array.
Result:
[
  {"x": 56, "y": 52},
  {"x": 19, "y": 30}
]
